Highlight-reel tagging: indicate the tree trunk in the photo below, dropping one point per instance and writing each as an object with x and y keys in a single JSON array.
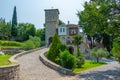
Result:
[
  {"x": 91, "y": 42},
  {"x": 97, "y": 60}
]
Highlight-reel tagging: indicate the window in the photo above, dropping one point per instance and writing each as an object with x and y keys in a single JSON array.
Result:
[
  {"x": 60, "y": 29},
  {"x": 72, "y": 31},
  {"x": 63, "y": 29}
]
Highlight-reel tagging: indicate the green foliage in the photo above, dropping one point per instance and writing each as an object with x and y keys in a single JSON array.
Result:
[
  {"x": 116, "y": 48},
  {"x": 10, "y": 43},
  {"x": 41, "y": 33},
  {"x": 14, "y": 23},
  {"x": 28, "y": 45},
  {"x": 31, "y": 30},
  {"x": 80, "y": 60},
  {"x": 25, "y": 30},
  {"x": 5, "y": 30},
  {"x": 42, "y": 43},
  {"x": 35, "y": 40},
  {"x": 94, "y": 17},
  {"x": 99, "y": 53},
  {"x": 62, "y": 47},
  {"x": 61, "y": 22},
  {"x": 67, "y": 60},
  {"x": 99, "y": 16},
  {"x": 53, "y": 52},
  {"x": 77, "y": 41}
]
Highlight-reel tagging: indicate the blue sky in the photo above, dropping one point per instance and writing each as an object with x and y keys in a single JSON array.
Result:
[{"x": 32, "y": 11}]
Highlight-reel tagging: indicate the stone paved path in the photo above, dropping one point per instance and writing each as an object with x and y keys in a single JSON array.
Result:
[{"x": 33, "y": 69}]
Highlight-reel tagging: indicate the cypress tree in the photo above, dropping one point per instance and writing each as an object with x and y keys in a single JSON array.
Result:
[{"x": 14, "y": 23}]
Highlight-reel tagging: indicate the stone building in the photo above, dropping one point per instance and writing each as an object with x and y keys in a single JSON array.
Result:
[
  {"x": 65, "y": 32},
  {"x": 51, "y": 24}
]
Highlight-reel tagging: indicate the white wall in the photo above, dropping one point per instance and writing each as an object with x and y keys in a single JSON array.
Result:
[{"x": 62, "y": 31}]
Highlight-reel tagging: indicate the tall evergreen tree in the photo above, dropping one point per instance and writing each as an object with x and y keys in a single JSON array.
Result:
[{"x": 14, "y": 23}]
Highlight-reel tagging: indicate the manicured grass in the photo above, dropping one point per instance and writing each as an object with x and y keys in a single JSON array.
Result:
[
  {"x": 4, "y": 60},
  {"x": 88, "y": 65}
]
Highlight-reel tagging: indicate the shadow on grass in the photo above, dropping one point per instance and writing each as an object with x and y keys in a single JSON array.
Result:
[{"x": 102, "y": 75}]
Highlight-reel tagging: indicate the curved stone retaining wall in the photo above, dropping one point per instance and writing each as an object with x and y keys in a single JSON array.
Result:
[
  {"x": 55, "y": 66},
  {"x": 11, "y": 72}
]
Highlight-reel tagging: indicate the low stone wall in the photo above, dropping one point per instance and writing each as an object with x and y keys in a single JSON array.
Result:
[
  {"x": 11, "y": 72},
  {"x": 55, "y": 66},
  {"x": 12, "y": 50}
]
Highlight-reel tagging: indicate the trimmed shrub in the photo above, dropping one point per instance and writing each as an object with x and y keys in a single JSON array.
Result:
[
  {"x": 67, "y": 60},
  {"x": 10, "y": 43},
  {"x": 53, "y": 52}
]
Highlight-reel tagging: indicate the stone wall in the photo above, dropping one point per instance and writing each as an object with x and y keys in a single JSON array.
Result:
[
  {"x": 55, "y": 66},
  {"x": 10, "y": 72},
  {"x": 51, "y": 23}
]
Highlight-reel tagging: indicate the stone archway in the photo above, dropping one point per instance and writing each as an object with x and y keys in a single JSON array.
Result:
[
  {"x": 50, "y": 40},
  {"x": 71, "y": 49}
]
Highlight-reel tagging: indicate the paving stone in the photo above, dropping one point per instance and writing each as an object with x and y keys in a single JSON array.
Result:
[{"x": 31, "y": 68}]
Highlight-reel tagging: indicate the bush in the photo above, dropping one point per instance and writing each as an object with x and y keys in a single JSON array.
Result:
[
  {"x": 35, "y": 40},
  {"x": 42, "y": 43},
  {"x": 80, "y": 60},
  {"x": 28, "y": 45},
  {"x": 67, "y": 60},
  {"x": 53, "y": 52},
  {"x": 61, "y": 47},
  {"x": 10, "y": 43}
]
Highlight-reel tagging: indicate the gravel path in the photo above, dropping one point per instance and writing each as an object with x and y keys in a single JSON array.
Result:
[{"x": 31, "y": 68}]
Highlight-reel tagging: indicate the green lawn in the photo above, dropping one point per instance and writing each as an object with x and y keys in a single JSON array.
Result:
[
  {"x": 88, "y": 65},
  {"x": 4, "y": 60}
]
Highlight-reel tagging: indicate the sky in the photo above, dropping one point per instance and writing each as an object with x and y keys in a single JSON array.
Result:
[{"x": 32, "y": 11}]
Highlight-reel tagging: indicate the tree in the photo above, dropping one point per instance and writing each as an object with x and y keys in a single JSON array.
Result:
[
  {"x": 5, "y": 30},
  {"x": 99, "y": 53},
  {"x": 25, "y": 30},
  {"x": 41, "y": 33},
  {"x": 54, "y": 50},
  {"x": 14, "y": 23},
  {"x": 31, "y": 30},
  {"x": 116, "y": 48},
  {"x": 61, "y": 22},
  {"x": 94, "y": 19},
  {"x": 77, "y": 41}
]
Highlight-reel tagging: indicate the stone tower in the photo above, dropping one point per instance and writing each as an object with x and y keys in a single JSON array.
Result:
[{"x": 51, "y": 24}]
